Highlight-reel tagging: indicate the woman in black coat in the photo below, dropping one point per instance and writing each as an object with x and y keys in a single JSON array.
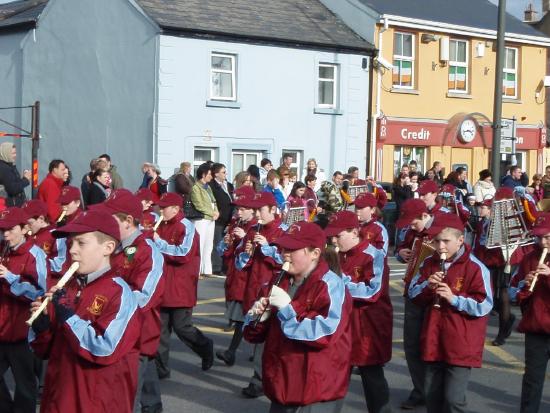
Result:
[
  {"x": 13, "y": 184},
  {"x": 100, "y": 188},
  {"x": 402, "y": 190}
]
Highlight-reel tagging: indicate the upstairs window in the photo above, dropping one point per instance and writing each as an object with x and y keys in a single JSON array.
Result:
[
  {"x": 222, "y": 77},
  {"x": 403, "y": 60},
  {"x": 328, "y": 86},
  {"x": 510, "y": 75},
  {"x": 458, "y": 66}
]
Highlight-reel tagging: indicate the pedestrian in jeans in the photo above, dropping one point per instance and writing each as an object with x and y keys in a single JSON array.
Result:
[{"x": 204, "y": 201}]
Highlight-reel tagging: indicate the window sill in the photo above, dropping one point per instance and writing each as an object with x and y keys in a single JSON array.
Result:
[
  {"x": 512, "y": 100},
  {"x": 223, "y": 104},
  {"x": 405, "y": 91},
  {"x": 327, "y": 111},
  {"x": 459, "y": 95}
]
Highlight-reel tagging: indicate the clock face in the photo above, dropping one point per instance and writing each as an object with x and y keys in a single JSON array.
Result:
[{"x": 467, "y": 130}]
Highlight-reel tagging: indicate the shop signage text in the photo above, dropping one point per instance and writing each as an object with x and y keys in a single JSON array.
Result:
[{"x": 421, "y": 134}]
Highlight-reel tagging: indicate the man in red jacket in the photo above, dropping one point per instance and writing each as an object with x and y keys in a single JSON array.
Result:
[
  {"x": 50, "y": 188},
  {"x": 90, "y": 334},
  {"x": 535, "y": 309},
  {"x": 140, "y": 264},
  {"x": 178, "y": 241},
  {"x": 304, "y": 320},
  {"x": 23, "y": 272},
  {"x": 367, "y": 278},
  {"x": 455, "y": 288}
]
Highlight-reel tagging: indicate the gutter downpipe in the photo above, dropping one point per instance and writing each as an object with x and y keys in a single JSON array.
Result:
[{"x": 378, "y": 100}]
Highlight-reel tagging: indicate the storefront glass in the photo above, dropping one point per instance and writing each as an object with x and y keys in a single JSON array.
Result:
[{"x": 405, "y": 154}]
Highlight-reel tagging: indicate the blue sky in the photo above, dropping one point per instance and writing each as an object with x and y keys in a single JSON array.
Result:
[{"x": 515, "y": 7}]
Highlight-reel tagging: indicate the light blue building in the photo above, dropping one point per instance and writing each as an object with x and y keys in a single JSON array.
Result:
[{"x": 187, "y": 80}]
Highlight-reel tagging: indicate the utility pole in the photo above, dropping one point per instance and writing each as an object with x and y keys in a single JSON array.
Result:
[{"x": 497, "y": 107}]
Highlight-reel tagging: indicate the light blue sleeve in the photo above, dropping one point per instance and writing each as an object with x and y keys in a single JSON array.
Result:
[
  {"x": 361, "y": 290},
  {"x": 153, "y": 277},
  {"x": 313, "y": 329},
  {"x": 512, "y": 290},
  {"x": 56, "y": 264},
  {"x": 24, "y": 288},
  {"x": 105, "y": 345},
  {"x": 471, "y": 306},
  {"x": 182, "y": 249},
  {"x": 241, "y": 260},
  {"x": 272, "y": 252}
]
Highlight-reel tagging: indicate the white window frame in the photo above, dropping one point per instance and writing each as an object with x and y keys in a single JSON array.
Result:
[
  {"x": 297, "y": 158},
  {"x": 233, "y": 72},
  {"x": 459, "y": 64},
  {"x": 213, "y": 156},
  {"x": 259, "y": 156},
  {"x": 407, "y": 58},
  {"x": 508, "y": 70},
  {"x": 335, "y": 88}
]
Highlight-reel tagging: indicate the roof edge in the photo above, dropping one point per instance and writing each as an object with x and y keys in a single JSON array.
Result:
[
  {"x": 203, "y": 34},
  {"x": 18, "y": 27},
  {"x": 464, "y": 30}
]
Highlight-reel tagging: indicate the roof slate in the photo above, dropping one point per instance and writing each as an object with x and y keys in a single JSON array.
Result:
[
  {"x": 294, "y": 21},
  {"x": 20, "y": 12},
  {"x": 480, "y": 14}
]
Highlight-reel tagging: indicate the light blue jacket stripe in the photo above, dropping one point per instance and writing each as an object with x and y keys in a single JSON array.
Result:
[
  {"x": 414, "y": 288},
  {"x": 182, "y": 249},
  {"x": 385, "y": 237},
  {"x": 513, "y": 291},
  {"x": 56, "y": 264},
  {"x": 241, "y": 260},
  {"x": 221, "y": 247},
  {"x": 152, "y": 280},
  {"x": 313, "y": 329},
  {"x": 361, "y": 290},
  {"x": 105, "y": 345},
  {"x": 271, "y": 252},
  {"x": 471, "y": 306},
  {"x": 26, "y": 289},
  {"x": 31, "y": 336}
]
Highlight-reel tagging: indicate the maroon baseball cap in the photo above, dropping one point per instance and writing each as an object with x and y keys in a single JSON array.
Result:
[
  {"x": 448, "y": 189},
  {"x": 542, "y": 224},
  {"x": 170, "y": 199},
  {"x": 35, "y": 208},
  {"x": 341, "y": 221},
  {"x": 426, "y": 187},
  {"x": 262, "y": 199},
  {"x": 69, "y": 194},
  {"x": 442, "y": 221},
  {"x": 504, "y": 193},
  {"x": 487, "y": 202},
  {"x": 411, "y": 210},
  {"x": 122, "y": 200},
  {"x": 144, "y": 194},
  {"x": 13, "y": 216},
  {"x": 90, "y": 221},
  {"x": 365, "y": 199},
  {"x": 302, "y": 234},
  {"x": 244, "y": 199}
]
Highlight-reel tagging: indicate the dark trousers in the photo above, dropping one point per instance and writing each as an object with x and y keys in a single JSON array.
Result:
[
  {"x": 445, "y": 388},
  {"x": 148, "y": 388},
  {"x": 375, "y": 387},
  {"x": 19, "y": 357},
  {"x": 217, "y": 261},
  {"x": 179, "y": 320},
  {"x": 537, "y": 353},
  {"x": 412, "y": 329}
]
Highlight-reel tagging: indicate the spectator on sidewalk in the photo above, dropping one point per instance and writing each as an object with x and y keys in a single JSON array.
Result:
[
  {"x": 116, "y": 179},
  {"x": 484, "y": 188},
  {"x": 265, "y": 167},
  {"x": 50, "y": 188},
  {"x": 513, "y": 179},
  {"x": 538, "y": 190},
  {"x": 183, "y": 180},
  {"x": 13, "y": 184},
  {"x": 100, "y": 188}
]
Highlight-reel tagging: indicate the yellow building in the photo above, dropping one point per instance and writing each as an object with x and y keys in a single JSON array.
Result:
[{"x": 433, "y": 84}]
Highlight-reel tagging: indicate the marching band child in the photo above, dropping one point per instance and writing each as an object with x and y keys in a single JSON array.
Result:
[
  {"x": 367, "y": 277},
  {"x": 90, "y": 333},
  {"x": 370, "y": 229},
  {"x": 535, "y": 309},
  {"x": 178, "y": 240},
  {"x": 305, "y": 324},
  {"x": 140, "y": 263},
  {"x": 23, "y": 272},
  {"x": 455, "y": 289}
]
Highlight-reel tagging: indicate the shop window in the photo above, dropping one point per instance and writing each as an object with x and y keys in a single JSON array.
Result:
[
  {"x": 405, "y": 154},
  {"x": 510, "y": 75},
  {"x": 458, "y": 66},
  {"x": 203, "y": 154},
  {"x": 403, "y": 60}
]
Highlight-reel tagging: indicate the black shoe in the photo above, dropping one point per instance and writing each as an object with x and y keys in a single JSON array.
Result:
[
  {"x": 208, "y": 359},
  {"x": 506, "y": 331},
  {"x": 157, "y": 408},
  {"x": 164, "y": 374},
  {"x": 411, "y": 403},
  {"x": 252, "y": 391},
  {"x": 226, "y": 356}
]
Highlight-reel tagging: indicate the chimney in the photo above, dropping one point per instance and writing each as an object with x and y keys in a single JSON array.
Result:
[
  {"x": 545, "y": 6},
  {"x": 530, "y": 12}
]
